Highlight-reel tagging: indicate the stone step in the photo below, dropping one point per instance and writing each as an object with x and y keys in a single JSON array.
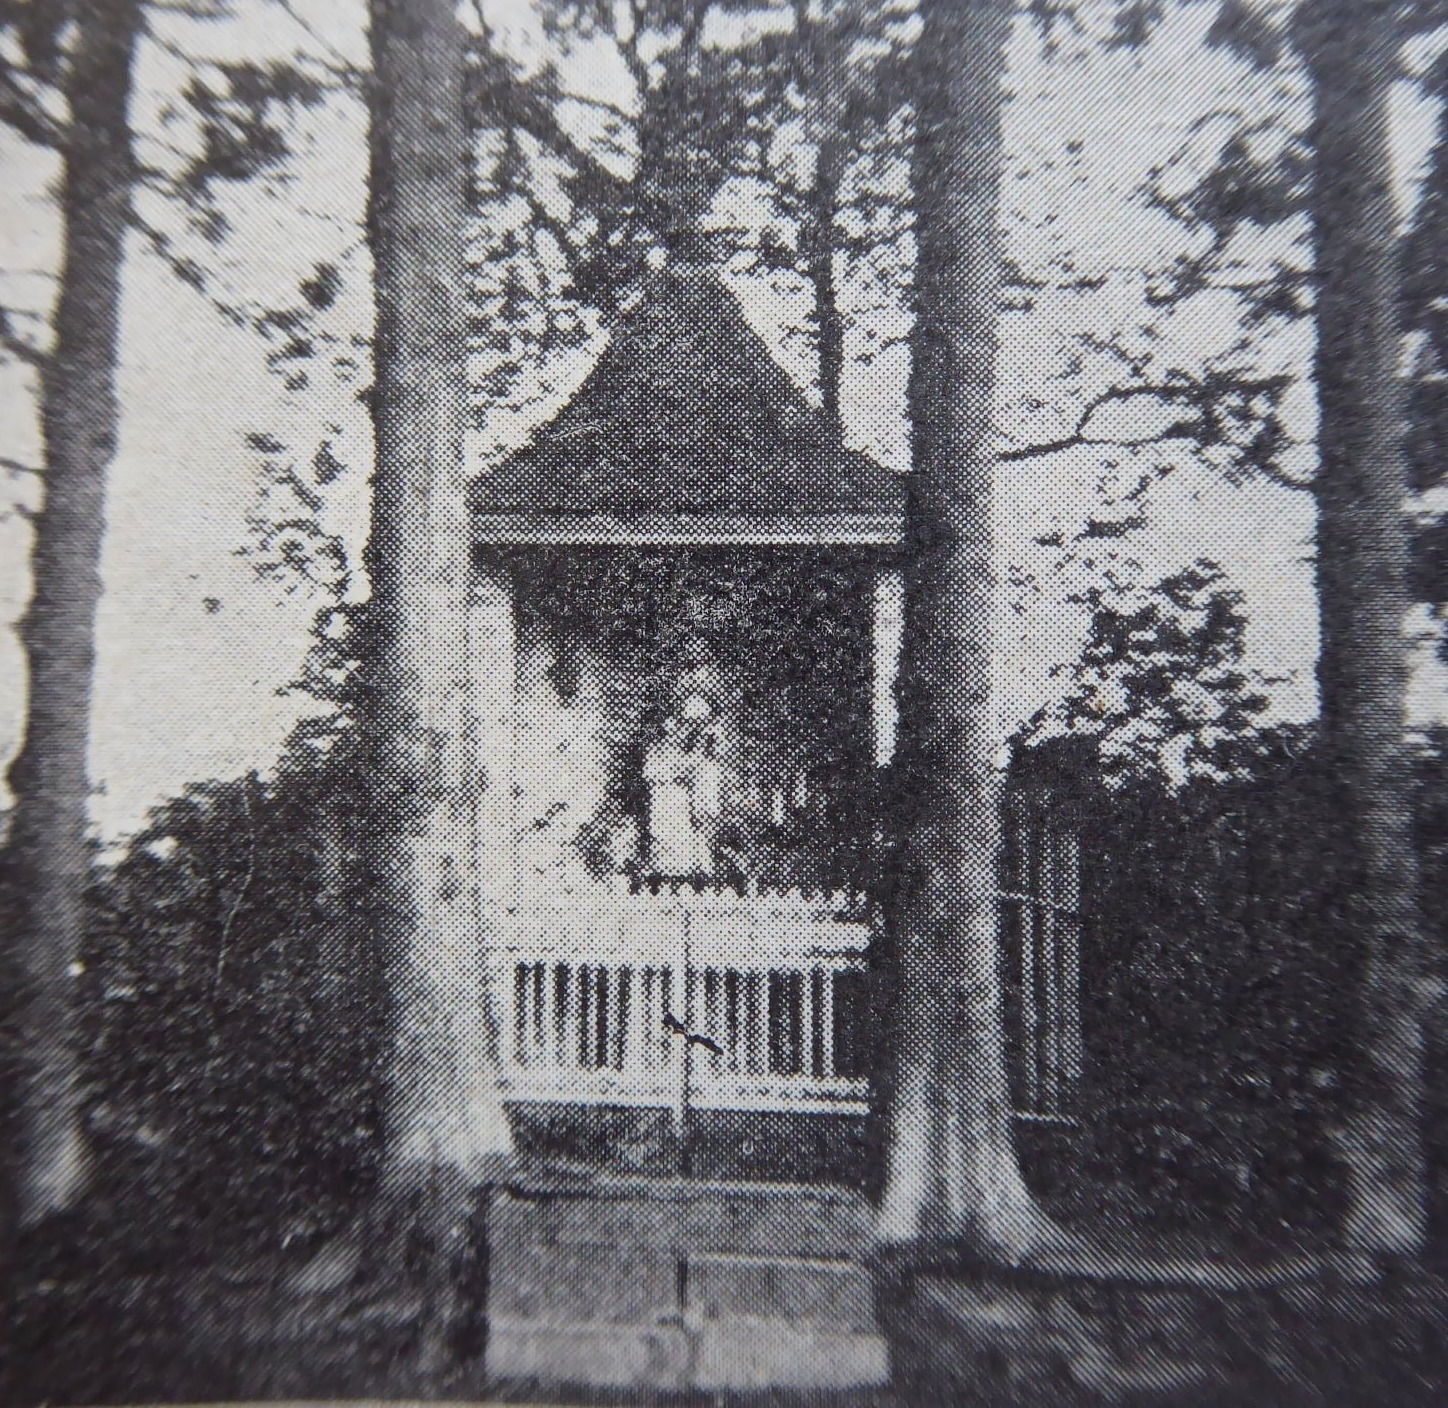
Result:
[
  {"x": 673, "y": 1286},
  {"x": 734, "y": 1355},
  {"x": 776, "y": 1219},
  {"x": 606, "y": 1282},
  {"x": 831, "y": 1295},
  {"x": 743, "y": 1355},
  {"x": 561, "y": 1353}
]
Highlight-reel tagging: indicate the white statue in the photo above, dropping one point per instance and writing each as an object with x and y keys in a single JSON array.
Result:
[{"x": 684, "y": 782}]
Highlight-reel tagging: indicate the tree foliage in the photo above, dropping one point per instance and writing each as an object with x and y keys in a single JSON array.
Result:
[
  {"x": 234, "y": 1003},
  {"x": 1160, "y": 684}
]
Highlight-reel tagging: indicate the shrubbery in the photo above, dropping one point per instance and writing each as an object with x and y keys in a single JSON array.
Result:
[
  {"x": 235, "y": 1008},
  {"x": 1218, "y": 996}
]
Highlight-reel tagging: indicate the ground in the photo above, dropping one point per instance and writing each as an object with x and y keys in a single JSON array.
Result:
[{"x": 111, "y": 1325}]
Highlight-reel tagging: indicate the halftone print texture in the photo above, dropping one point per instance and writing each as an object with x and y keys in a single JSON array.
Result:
[{"x": 733, "y": 701}]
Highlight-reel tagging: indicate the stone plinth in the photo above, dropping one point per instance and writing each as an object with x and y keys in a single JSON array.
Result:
[{"x": 676, "y": 1285}]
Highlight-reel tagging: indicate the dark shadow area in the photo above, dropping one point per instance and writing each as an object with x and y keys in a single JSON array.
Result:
[
  {"x": 1213, "y": 1005},
  {"x": 718, "y": 1145}
]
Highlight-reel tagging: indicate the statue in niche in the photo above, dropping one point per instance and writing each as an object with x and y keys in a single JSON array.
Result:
[{"x": 683, "y": 784}]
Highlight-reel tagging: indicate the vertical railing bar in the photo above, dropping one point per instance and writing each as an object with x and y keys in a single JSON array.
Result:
[
  {"x": 621, "y": 1024},
  {"x": 1026, "y": 928},
  {"x": 806, "y": 1021},
  {"x": 731, "y": 1006},
  {"x": 540, "y": 982},
  {"x": 827, "y": 1021},
  {"x": 520, "y": 985},
  {"x": 601, "y": 1008},
  {"x": 565, "y": 1044},
  {"x": 712, "y": 1023},
  {"x": 773, "y": 1045},
  {"x": 543, "y": 1011},
  {"x": 641, "y": 1047},
  {"x": 584, "y": 1023},
  {"x": 757, "y": 1055},
  {"x": 1051, "y": 977},
  {"x": 775, "y": 1032},
  {"x": 797, "y": 1011}
]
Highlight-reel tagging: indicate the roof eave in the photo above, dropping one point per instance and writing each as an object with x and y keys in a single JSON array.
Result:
[{"x": 835, "y": 528}]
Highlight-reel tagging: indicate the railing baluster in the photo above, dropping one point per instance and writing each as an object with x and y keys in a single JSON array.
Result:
[
  {"x": 536, "y": 979},
  {"x": 640, "y": 1052},
  {"x": 564, "y": 1044},
  {"x": 535, "y": 1012},
  {"x": 827, "y": 1023},
  {"x": 712, "y": 1024},
  {"x": 519, "y": 989},
  {"x": 621, "y": 1016},
  {"x": 658, "y": 1037},
  {"x": 774, "y": 1026},
  {"x": 543, "y": 1009},
  {"x": 604, "y": 1009},
  {"x": 795, "y": 985},
  {"x": 763, "y": 1035},
  {"x": 731, "y": 1018},
  {"x": 584, "y": 1035},
  {"x": 807, "y": 1022},
  {"x": 584, "y": 1001}
]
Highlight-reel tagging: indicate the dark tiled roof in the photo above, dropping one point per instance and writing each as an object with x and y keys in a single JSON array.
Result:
[{"x": 687, "y": 412}]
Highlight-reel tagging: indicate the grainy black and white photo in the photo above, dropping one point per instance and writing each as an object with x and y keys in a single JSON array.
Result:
[{"x": 724, "y": 702}]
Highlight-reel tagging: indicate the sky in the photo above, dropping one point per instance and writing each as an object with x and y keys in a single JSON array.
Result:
[{"x": 196, "y": 650}]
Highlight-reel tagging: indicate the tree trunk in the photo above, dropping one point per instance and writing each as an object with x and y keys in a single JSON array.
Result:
[
  {"x": 819, "y": 251},
  {"x": 446, "y": 1121},
  {"x": 1362, "y": 567},
  {"x": 821, "y": 79},
  {"x": 48, "y": 856},
  {"x": 951, "y": 1170}
]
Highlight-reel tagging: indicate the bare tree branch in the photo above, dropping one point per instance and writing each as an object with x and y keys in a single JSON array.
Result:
[
  {"x": 503, "y": 98},
  {"x": 20, "y": 348},
  {"x": 25, "y": 114},
  {"x": 1203, "y": 421},
  {"x": 1079, "y": 436},
  {"x": 342, "y": 66}
]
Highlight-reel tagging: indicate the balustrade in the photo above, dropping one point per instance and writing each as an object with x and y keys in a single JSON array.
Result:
[{"x": 687, "y": 996}]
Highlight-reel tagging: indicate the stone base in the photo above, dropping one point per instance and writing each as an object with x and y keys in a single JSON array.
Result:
[
  {"x": 763, "y": 1354},
  {"x": 606, "y": 1355},
  {"x": 721, "y": 1355},
  {"x": 673, "y": 1285}
]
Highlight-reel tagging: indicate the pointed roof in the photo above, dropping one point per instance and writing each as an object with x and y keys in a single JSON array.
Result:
[{"x": 687, "y": 429}]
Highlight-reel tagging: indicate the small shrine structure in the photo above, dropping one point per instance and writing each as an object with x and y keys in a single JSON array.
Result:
[
  {"x": 686, "y": 632},
  {"x": 685, "y": 643}
]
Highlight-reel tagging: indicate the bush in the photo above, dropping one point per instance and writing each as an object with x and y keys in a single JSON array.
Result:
[
  {"x": 1218, "y": 989},
  {"x": 234, "y": 1009}
]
